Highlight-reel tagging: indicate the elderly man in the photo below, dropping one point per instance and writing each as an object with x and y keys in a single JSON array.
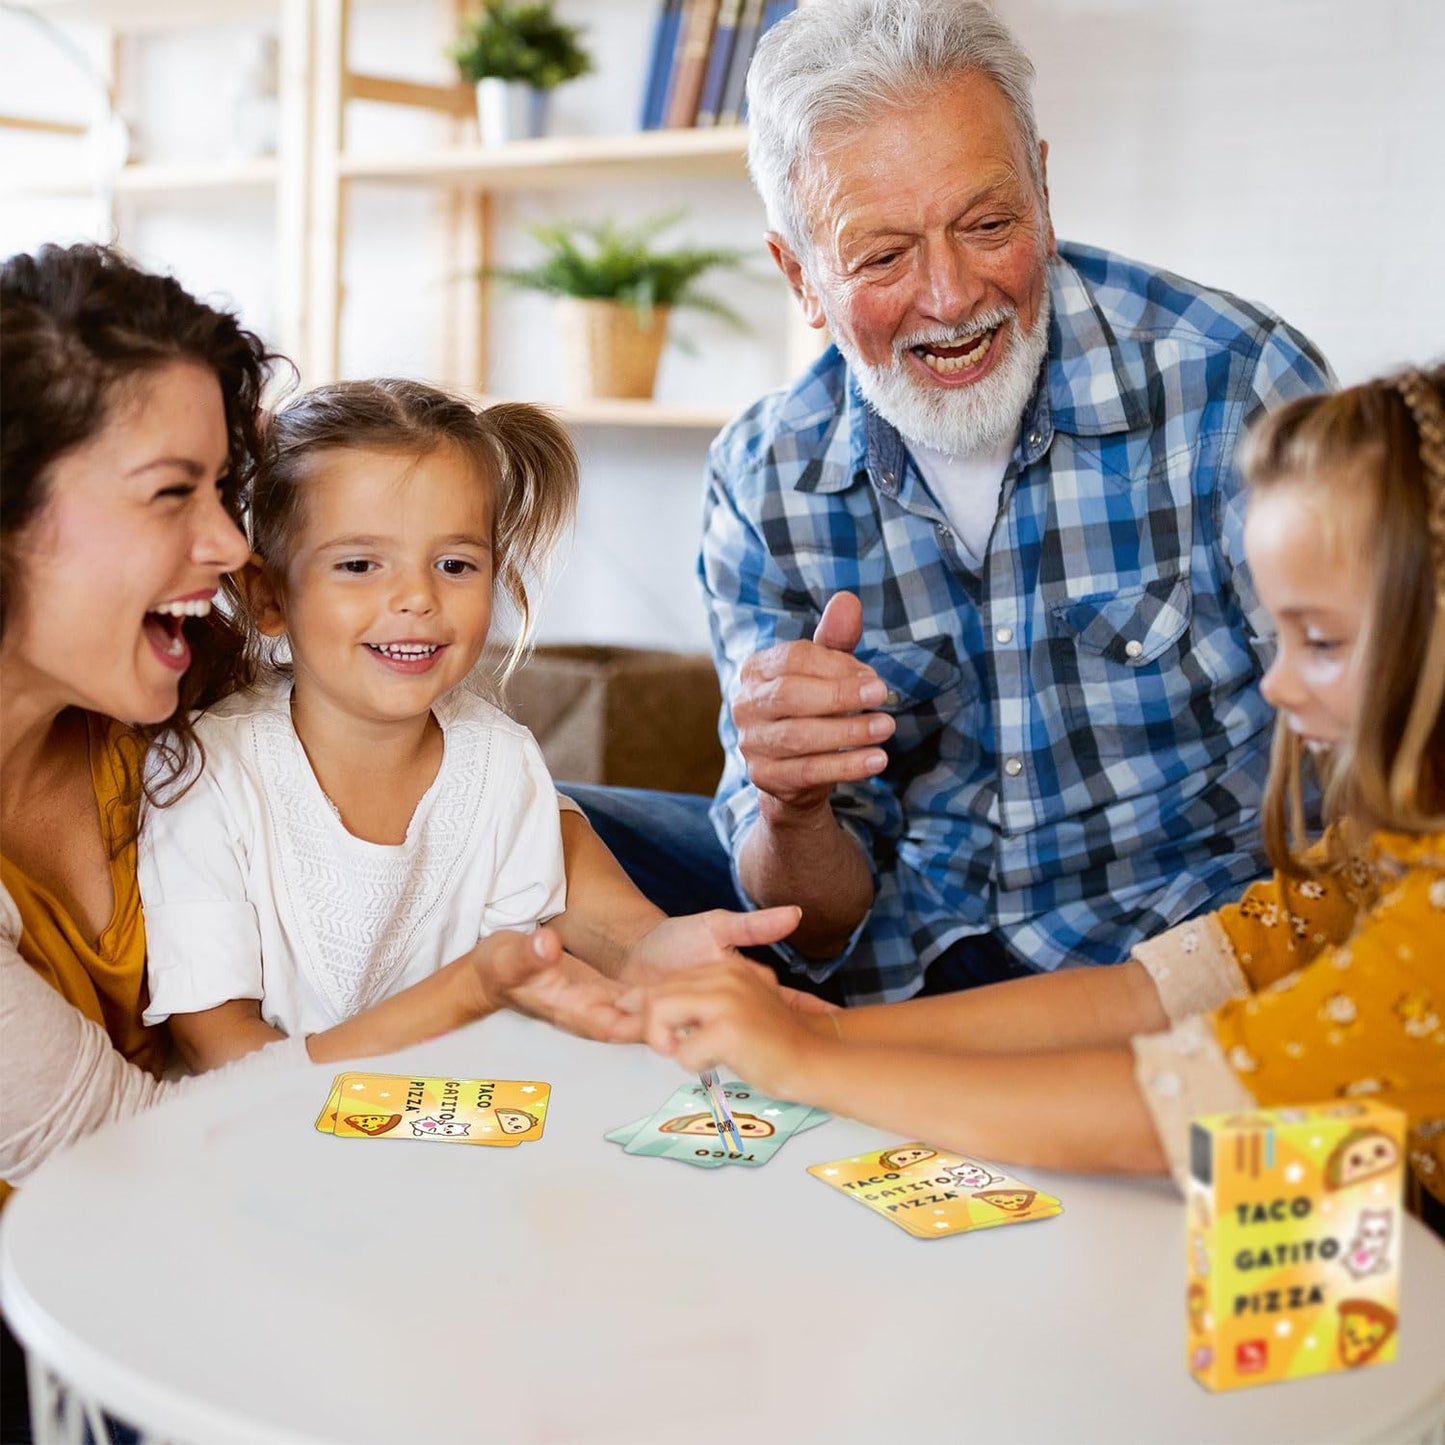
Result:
[{"x": 989, "y": 655}]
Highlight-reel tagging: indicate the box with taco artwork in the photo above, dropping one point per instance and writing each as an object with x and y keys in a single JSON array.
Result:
[{"x": 1293, "y": 1242}]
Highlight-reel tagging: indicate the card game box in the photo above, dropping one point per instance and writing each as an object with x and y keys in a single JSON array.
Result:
[{"x": 1293, "y": 1242}]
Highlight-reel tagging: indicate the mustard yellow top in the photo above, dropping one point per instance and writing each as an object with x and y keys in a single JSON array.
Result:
[
  {"x": 1329, "y": 988},
  {"x": 107, "y": 981}
]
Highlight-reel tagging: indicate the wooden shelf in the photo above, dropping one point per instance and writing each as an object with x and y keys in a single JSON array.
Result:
[
  {"x": 140, "y": 15},
  {"x": 556, "y": 161},
  {"x": 601, "y": 411},
  {"x": 74, "y": 178},
  {"x": 163, "y": 178}
]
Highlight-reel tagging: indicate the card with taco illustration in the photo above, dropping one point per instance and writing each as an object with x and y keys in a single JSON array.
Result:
[
  {"x": 499, "y": 1113},
  {"x": 932, "y": 1193},
  {"x": 1294, "y": 1220},
  {"x": 684, "y": 1128},
  {"x": 627, "y": 1132}
]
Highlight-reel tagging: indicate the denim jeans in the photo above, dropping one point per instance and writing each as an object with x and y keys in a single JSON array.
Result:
[{"x": 666, "y": 844}]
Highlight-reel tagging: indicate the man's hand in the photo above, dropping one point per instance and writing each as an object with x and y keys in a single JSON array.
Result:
[
  {"x": 534, "y": 976},
  {"x": 703, "y": 938},
  {"x": 731, "y": 1014},
  {"x": 802, "y": 715}
]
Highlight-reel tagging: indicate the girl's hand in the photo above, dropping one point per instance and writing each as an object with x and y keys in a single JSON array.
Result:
[
  {"x": 533, "y": 975},
  {"x": 730, "y": 1014},
  {"x": 703, "y": 938}
]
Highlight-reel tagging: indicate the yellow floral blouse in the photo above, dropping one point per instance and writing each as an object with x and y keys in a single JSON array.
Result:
[{"x": 1309, "y": 990}]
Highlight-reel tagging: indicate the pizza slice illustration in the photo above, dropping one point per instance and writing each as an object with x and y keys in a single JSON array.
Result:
[
  {"x": 373, "y": 1124},
  {"x": 1012, "y": 1201},
  {"x": 1365, "y": 1327}
]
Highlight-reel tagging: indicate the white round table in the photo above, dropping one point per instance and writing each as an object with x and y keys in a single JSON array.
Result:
[{"x": 218, "y": 1271}]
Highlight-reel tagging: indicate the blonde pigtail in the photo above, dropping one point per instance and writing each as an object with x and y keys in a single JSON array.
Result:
[
  {"x": 536, "y": 504},
  {"x": 1416, "y": 773}
]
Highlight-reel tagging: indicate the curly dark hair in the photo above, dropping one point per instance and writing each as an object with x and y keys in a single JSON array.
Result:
[{"x": 77, "y": 324}]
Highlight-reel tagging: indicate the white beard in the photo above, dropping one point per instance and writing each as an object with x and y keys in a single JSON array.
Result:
[{"x": 967, "y": 420}]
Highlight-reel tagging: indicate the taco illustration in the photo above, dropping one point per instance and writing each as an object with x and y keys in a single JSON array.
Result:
[
  {"x": 749, "y": 1126},
  {"x": 1361, "y": 1154},
  {"x": 906, "y": 1155}
]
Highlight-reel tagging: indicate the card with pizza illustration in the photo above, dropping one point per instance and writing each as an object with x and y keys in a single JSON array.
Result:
[
  {"x": 499, "y": 1113},
  {"x": 932, "y": 1193},
  {"x": 684, "y": 1128}
]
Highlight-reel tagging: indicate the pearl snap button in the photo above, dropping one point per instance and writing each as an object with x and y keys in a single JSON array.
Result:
[
  {"x": 1013, "y": 767},
  {"x": 1004, "y": 634},
  {"x": 1133, "y": 647}
]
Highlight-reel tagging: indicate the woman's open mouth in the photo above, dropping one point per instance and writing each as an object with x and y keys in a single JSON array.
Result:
[{"x": 164, "y": 630}]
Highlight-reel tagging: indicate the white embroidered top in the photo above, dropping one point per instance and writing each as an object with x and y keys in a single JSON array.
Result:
[{"x": 253, "y": 888}]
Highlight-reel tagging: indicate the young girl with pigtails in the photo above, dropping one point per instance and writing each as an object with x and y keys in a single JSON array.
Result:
[
  {"x": 362, "y": 816},
  {"x": 1325, "y": 981}
]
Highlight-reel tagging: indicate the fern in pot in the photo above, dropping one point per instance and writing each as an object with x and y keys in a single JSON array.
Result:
[{"x": 616, "y": 289}]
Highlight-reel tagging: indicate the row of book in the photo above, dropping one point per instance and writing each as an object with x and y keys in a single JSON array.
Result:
[{"x": 701, "y": 50}]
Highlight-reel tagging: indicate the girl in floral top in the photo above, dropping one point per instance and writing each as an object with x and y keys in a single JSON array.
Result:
[{"x": 1327, "y": 980}]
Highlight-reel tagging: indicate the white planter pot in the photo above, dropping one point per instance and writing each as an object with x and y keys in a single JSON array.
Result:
[{"x": 509, "y": 110}]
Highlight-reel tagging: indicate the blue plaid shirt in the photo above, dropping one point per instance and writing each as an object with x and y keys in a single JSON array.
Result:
[{"x": 1081, "y": 742}]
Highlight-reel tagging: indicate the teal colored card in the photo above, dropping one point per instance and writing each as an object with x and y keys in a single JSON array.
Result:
[
  {"x": 627, "y": 1132},
  {"x": 684, "y": 1129}
]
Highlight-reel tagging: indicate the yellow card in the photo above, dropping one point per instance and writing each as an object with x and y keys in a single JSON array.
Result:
[
  {"x": 496, "y": 1112},
  {"x": 326, "y": 1119},
  {"x": 931, "y": 1193}
]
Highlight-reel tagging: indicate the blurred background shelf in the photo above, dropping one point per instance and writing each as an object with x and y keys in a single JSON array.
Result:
[
  {"x": 562, "y": 161},
  {"x": 601, "y": 411}
]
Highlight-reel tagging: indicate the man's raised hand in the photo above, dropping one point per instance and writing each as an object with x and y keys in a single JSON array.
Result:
[{"x": 805, "y": 717}]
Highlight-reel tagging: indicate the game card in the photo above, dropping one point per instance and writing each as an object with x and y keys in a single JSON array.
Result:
[
  {"x": 624, "y": 1135},
  {"x": 500, "y": 1113},
  {"x": 326, "y": 1119},
  {"x": 684, "y": 1129},
  {"x": 931, "y": 1193}
]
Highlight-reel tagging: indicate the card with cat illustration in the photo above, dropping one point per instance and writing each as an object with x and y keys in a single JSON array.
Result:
[
  {"x": 499, "y": 1113},
  {"x": 684, "y": 1128},
  {"x": 932, "y": 1193}
]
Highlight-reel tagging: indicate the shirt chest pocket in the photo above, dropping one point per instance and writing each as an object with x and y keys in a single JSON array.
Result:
[
  {"x": 1119, "y": 662},
  {"x": 927, "y": 688}
]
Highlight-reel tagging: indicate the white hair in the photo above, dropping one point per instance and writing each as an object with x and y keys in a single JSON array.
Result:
[{"x": 835, "y": 64}]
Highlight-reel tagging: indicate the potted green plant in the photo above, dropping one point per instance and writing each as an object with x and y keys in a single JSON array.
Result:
[
  {"x": 516, "y": 54},
  {"x": 615, "y": 291}
]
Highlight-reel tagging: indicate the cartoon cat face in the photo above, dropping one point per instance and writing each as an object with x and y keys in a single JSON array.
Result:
[
  {"x": 1369, "y": 1251},
  {"x": 969, "y": 1176},
  {"x": 429, "y": 1128}
]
